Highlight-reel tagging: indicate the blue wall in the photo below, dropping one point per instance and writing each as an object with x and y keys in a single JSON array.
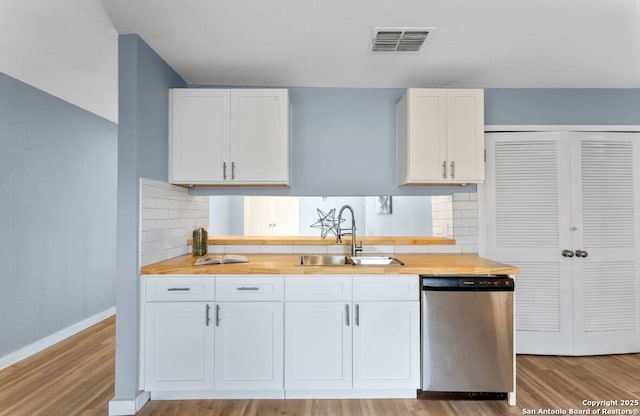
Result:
[
  {"x": 562, "y": 106},
  {"x": 143, "y": 105},
  {"x": 58, "y": 214}
]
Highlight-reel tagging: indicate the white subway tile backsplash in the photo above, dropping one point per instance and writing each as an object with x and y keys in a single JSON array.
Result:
[
  {"x": 461, "y": 196},
  {"x": 371, "y": 249},
  {"x": 338, "y": 249},
  {"x": 241, "y": 248},
  {"x": 215, "y": 248},
  {"x": 460, "y": 231},
  {"x": 468, "y": 213},
  {"x": 462, "y": 205},
  {"x": 154, "y": 213},
  {"x": 310, "y": 249},
  {"x": 278, "y": 249},
  {"x": 465, "y": 222},
  {"x": 419, "y": 249},
  {"x": 147, "y": 225},
  {"x": 169, "y": 203},
  {"x": 445, "y": 249},
  {"x": 168, "y": 216},
  {"x": 470, "y": 248}
]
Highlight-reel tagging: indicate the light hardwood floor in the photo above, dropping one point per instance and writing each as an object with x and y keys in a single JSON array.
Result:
[{"x": 75, "y": 377}]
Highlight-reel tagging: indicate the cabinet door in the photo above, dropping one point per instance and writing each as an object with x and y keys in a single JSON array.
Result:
[
  {"x": 465, "y": 135},
  {"x": 198, "y": 135},
  {"x": 549, "y": 192},
  {"x": 271, "y": 215},
  {"x": 527, "y": 195},
  {"x": 258, "y": 215},
  {"x": 386, "y": 345},
  {"x": 318, "y": 345},
  {"x": 286, "y": 215},
  {"x": 249, "y": 346},
  {"x": 605, "y": 225},
  {"x": 178, "y": 346},
  {"x": 427, "y": 145},
  {"x": 260, "y": 136}
]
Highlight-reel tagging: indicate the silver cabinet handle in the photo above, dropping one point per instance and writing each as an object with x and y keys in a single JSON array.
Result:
[
  {"x": 233, "y": 170},
  {"x": 567, "y": 253},
  {"x": 178, "y": 289},
  {"x": 224, "y": 171},
  {"x": 357, "y": 315},
  {"x": 217, "y": 315},
  {"x": 444, "y": 169},
  {"x": 247, "y": 288},
  {"x": 581, "y": 253},
  {"x": 453, "y": 169},
  {"x": 346, "y": 314},
  {"x": 207, "y": 317}
]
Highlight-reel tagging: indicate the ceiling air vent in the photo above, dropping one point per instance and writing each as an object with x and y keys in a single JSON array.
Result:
[{"x": 399, "y": 39}]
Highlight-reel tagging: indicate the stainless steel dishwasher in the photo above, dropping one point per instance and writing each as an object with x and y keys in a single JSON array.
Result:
[{"x": 467, "y": 334}]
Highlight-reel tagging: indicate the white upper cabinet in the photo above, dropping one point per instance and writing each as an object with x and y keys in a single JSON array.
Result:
[
  {"x": 260, "y": 136},
  {"x": 198, "y": 135},
  {"x": 229, "y": 137},
  {"x": 440, "y": 136}
]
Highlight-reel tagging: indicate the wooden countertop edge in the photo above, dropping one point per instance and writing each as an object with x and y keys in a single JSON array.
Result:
[
  {"x": 284, "y": 264},
  {"x": 304, "y": 240}
]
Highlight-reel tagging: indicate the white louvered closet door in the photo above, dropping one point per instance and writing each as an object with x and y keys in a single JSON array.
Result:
[
  {"x": 605, "y": 226},
  {"x": 528, "y": 219},
  {"x": 547, "y": 192}
]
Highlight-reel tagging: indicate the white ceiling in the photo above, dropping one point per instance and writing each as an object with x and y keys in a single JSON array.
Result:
[{"x": 478, "y": 43}]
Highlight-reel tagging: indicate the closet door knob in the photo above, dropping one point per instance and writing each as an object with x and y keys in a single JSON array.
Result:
[
  {"x": 567, "y": 253},
  {"x": 581, "y": 253}
]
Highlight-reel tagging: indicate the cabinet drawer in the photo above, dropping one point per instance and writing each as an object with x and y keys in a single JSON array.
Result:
[
  {"x": 249, "y": 288},
  {"x": 386, "y": 287},
  {"x": 180, "y": 288},
  {"x": 318, "y": 287}
]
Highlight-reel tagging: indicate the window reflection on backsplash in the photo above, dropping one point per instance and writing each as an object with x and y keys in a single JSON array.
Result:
[
  {"x": 239, "y": 215},
  {"x": 409, "y": 215}
]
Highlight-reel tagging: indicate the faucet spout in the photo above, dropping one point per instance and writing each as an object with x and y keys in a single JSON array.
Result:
[{"x": 355, "y": 248}]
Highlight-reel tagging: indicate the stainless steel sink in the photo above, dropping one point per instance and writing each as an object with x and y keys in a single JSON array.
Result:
[
  {"x": 337, "y": 260},
  {"x": 376, "y": 261},
  {"x": 324, "y": 260}
]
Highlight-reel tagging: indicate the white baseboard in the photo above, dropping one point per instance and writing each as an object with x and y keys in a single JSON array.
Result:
[
  {"x": 128, "y": 407},
  {"x": 219, "y": 394},
  {"x": 46, "y": 342},
  {"x": 351, "y": 394}
]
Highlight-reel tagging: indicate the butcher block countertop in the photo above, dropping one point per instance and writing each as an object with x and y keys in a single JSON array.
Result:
[
  {"x": 286, "y": 264},
  {"x": 330, "y": 240}
]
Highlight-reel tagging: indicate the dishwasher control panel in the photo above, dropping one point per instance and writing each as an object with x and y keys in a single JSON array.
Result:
[{"x": 470, "y": 283}]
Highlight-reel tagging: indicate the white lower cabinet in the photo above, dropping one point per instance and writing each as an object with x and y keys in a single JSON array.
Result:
[
  {"x": 269, "y": 336},
  {"x": 386, "y": 345},
  {"x": 318, "y": 345},
  {"x": 366, "y": 348},
  {"x": 178, "y": 346},
  {"x": 249, "y": 346}
]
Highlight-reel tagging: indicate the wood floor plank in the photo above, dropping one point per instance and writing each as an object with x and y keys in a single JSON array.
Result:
[
  {"x": 73, "y": 377},
  {"x": 76, "y": 378}
]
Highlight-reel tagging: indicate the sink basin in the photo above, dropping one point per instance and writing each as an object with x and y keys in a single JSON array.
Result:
[
  {"x": 337, "y": 260},
  {"x": 324, "y": 260},
  {"x": 376, "y": 261}
]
